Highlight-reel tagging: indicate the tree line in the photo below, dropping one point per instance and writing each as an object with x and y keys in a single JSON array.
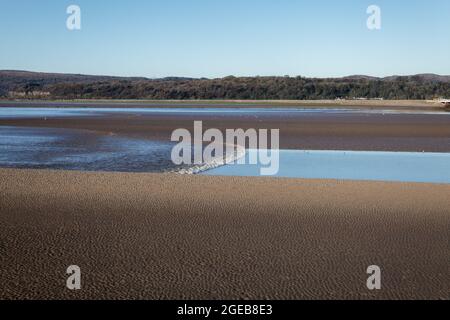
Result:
[{"x": 240, "y": 88}]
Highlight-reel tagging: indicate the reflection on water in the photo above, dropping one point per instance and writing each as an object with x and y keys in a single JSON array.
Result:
[
  {"x": 351, "y": 165},
  {"x": 81, "y": 150}
]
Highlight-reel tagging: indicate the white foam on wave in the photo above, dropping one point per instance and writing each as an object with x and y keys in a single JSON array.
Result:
[{"x": 238, "y": 153}]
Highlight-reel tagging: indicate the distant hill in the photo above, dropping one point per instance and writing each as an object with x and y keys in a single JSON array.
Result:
[
  {"x": 426, "y": 77},
  {"x": 430, "y": 77},
  {"x": 25, "y": 84},
  {"x": 11, "y": 78},
  {"x": 359, "y": 77}
]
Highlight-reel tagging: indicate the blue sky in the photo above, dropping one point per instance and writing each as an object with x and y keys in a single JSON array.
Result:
[{"x": 215, "y": 38}]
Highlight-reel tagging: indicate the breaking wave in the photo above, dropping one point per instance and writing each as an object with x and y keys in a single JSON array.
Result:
[{"x": 238, "y": 153}]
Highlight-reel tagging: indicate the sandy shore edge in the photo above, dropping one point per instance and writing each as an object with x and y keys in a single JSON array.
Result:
[
  {"x": 399, "y": 105},
  {"x": 166, "y": 236}
]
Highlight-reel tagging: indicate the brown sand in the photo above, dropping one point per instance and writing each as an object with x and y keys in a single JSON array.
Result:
[{"x": 159, "y": 236}]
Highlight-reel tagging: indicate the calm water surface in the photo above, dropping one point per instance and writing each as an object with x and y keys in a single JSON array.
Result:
[{"x": 350, "y": 165}]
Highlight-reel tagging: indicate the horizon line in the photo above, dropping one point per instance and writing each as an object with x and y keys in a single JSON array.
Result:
[{"x": 226, "y": 76}]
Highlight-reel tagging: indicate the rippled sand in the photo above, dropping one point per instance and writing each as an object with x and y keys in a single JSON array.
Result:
[{"x": 160, "y": 236}]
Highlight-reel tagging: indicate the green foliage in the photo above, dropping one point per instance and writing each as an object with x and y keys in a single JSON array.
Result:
[{"x": 238, "y": 88}]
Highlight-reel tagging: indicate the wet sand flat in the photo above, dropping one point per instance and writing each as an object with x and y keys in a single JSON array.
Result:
[
  {"x": 315, "y": 131},
  {"x": 161, "y": 236}
]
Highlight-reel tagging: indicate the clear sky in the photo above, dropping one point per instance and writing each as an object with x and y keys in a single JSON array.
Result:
[{"x": 215, "y": 38}]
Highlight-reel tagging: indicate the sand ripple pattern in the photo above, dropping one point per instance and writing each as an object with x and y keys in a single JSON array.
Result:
[{"x": 168, "y": 236}]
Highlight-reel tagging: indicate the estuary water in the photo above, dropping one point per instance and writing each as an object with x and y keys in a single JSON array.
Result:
[
  {"x": 43, "y": 148},
  {"x": 348, "y": 165},
  {"x": 70, "y": 149},
  {"x": 48, "y": 112}
]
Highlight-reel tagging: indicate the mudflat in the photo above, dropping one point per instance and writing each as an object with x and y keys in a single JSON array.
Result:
[
  {"x": 314, "y": 131},
  {"x": 167, "y": 236}
]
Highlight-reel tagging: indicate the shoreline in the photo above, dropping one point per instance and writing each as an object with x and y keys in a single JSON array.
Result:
[
  {"x": 401, "y": 105},
  {"x": 167, "y": 236}
]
